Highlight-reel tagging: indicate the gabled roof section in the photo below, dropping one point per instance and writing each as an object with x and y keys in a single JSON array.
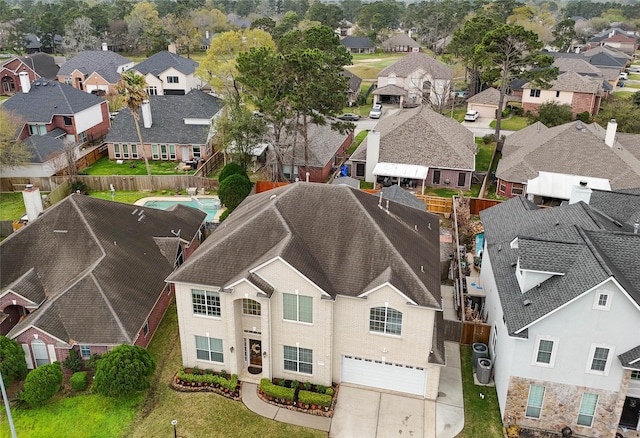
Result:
[
  {"x": 353, "y": 42},
  {"x": 168, "y": 247},
  {"x": 47, "y": 98},
  {"x": 324, "y": 142},
  {"x": 334, "y": 252},
  {"x": 574, "y": 148},
  {"x": 401, "y": 39},
  {"x": 490, "y": 96},
  {"x": 415, "y": 61},
  {"x": 573, "y": 82},
  {"x": 420, "y": 136},
  {"x": 544, "y": 256},
  {"x": 578, "y": 65},
  {"x": 44, "y": 147},
  {"x": 106, "y": 260},
  {"x": 354, "y": 80},
  {"x": 168, "y": 114},
  {"x": 28, "y": 286},
  {"x": 623, "y": 205},
  {"x": 163, "y": 61},
  {"x": 401, "y": 196},
  {"x": 103, "y": 62},
  {"x": 42, "y": 63},
  {"x": 630, "y": 359}
]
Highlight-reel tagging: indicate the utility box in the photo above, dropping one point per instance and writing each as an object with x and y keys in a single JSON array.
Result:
[
  {"x": 478, "y": 351},
  {"x": 483, "y": 371}
]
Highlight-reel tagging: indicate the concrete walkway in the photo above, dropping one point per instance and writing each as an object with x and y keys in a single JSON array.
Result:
[
  {"x": 255, "y": 404},
  {"x": 450, "y": 401}
]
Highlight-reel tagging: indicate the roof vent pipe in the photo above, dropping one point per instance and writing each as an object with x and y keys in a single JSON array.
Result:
[{"x": 635, "y": 228}]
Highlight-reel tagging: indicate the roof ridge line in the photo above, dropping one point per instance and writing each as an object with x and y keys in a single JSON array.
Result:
[{"x": 108, "y": 303}]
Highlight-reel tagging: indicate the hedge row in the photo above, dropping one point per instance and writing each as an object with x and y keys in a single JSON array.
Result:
[
  {"x": 275, "y": 391},
  {"x": 79, "y": 380},
  {"x": 210, "y": 379},
  {"x": 314, "y": 398}
]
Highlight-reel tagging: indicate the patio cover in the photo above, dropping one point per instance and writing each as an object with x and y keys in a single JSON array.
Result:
[
  {"x": 411, "y": 171},
  {"x": 558, "y": 185},
  {"x": 390, "y": 90}
]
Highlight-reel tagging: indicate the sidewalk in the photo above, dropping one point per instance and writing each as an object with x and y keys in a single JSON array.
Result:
[{"x": 255, "y": 404}]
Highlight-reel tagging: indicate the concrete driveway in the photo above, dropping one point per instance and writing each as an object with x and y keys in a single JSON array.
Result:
[{"x": 362, "y": 413}]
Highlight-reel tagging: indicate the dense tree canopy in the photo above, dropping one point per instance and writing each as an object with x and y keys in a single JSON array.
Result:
[
  {"x": 13, "y": 153},
  {"x": 551, "y": 114}
]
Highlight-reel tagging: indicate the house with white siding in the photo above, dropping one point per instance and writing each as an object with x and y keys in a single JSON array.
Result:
[
  {"x": 563, "y": 302},
  {"x": 345, "y": 289}
]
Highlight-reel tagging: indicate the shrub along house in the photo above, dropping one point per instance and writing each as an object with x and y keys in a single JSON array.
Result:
[
  {"x": 340, "y": 290},
  {"x": 88, "y": 275}
]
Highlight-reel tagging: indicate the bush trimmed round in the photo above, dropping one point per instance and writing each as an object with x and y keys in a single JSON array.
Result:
[
  {"x": 41, "y": 384},
  {"x": 232, "y": 169},
  {"x": 123, "y": 371},
  {"x": 233, "y": 190}
]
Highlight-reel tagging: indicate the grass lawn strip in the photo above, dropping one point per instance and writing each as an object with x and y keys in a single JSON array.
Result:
[
  {"x": 104, "y": 166},
  {"x": 481, "y": 416},
  {"x": 11, "y": 206}
]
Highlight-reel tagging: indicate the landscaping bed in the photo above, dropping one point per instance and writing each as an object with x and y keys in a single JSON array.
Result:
[
  {"x": 299, "y": 396},
  {"x": 194, "y": 380}
]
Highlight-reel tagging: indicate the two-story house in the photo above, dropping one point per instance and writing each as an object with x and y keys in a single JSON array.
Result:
[
  {"x": 88, "y": 274},
  {"x": 37, "y": 65},
  {"x": 415, "y": 78},
  {"x": 169, "y": 73},
  {"x": 563, "y": 303},
  {"x": 173, "y": 128},
  {"x": 94, "y": 71},
  {"x": 345, "y": 289},
  {"x": 54, "y": 113}
]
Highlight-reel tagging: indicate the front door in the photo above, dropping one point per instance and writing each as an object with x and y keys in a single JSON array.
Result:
[
  {"x": 185, "y": 153},
  {"x": 255, "y": 353},
  {"x": 630, "y": 413}
]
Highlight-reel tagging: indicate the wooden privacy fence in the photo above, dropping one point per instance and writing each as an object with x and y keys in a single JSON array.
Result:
[
  {"x": 436, "y": 204},
  {"x": 142, "y": 183},
  {"x": 475, "y": 332}
]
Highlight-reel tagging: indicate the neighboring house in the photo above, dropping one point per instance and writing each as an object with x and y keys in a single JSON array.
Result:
[
  {"x": 544, "y": 163},
  {"x": 415, "y": 78},
  {"x": 169, "y": 73},
  {"x": 37, "y": 65},
  {"x": 608, "y": 61},
  {"x": 88, "y": 275},
  {"x": 355, "y": 83},
  {"x": 401, "y": 43},
  {"x": 327, "y": 148},
  {"x": 416, "y": 148},
  {"x": 563, "y": 303},
  {"x": 486, "y": 103},
  {"x": 237, "y": 21},
  {"x": 581, "y": 93},
  {"x": 174, "y": 128},
  {"x": 351, "y": 298},
  {"x": 615, "y": 38},
  {"x": 96, "y": 71},
  {"x": 358, "y": 44},
  {"x": 34, "y": 45},
  {"x": 54, "y": 113}
]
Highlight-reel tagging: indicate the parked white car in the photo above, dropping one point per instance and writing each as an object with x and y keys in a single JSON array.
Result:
[
  {"x": 375, "y": 112},
  {"x": 471, "y": 116},
  {"x": 624, "y": 75}
]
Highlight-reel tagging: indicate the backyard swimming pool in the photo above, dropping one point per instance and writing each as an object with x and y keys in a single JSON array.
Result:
[{"x": 208, "y": 205}]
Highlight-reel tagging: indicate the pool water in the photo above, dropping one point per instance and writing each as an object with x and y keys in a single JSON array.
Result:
[{"x": 208, "y": 205}]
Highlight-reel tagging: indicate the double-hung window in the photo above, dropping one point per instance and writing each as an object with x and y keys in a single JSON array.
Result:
[
  {"x": 602, "y": 300},
  {"x": 297, "y": 308},
  {"x": 251, "y": 307},
  {"x": 209, "y": 349},
  {"x": 534, "y": 93},
  {"x": 172, "y": 79},
  {"x": 85, "y": 351},
  {"x": 154, "y": 152},
  {"x": 545, "y": 352},
  {"x": 385, "y": 320},
  {"x": 298, "y": 359},
  {"x": 205, "y": 302},
  {"x": 599, "y": 359},
  {"x": 587, "y": 409},
  {"x": 116, "y": 150},
  {"x": 534, "y": 402}
]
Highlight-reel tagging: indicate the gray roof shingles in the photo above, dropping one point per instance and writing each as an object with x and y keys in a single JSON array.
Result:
[
  {"x": 103, "y": 62},
  {"x": 163, "y": 61},
  {"x": 168, "y": 114},
  {"x": 631, "y": 358},
  {"x": 412, "y": 62},
  {"x": 320, "y": 242},
  {"x": 106, "y": 261}
]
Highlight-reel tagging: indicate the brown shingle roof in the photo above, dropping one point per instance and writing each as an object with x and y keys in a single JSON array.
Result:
[
  {"x": 328, "y": 233},
  {"x": 490, "y": 96},
  {"x": 400, "y": 39},
  {"x": 573, "y": 148},
  {"x": 572, "y": 81},
  {"x": 415, "y": 61},
  {"x": 99, "y": 264}
]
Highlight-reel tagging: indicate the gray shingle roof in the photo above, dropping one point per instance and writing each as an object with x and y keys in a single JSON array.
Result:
[
  {"x": 28, "y": 286},
  {"x": 352, "y": 42},
  {"x": 44, "y": 147},
  {"x": 330, "y": 241},
  {"x": 574, "y": 148},
  {"x": 578, "y": 65},
  {"x": 623, "y": 206},
  {"x": 631, "y": 358},
  {"x": 324, "y": 142},
  {"x": 168, "y": 114},
  {"x": 415, "y": 61},
  {"x": 490, "y": 96},
  {"x": 42, "y": 63},
  {"x": 165, "y": 60},
  {"x": 401, "y": 196},
  {"x": 104, "y": 260},
  {"x": 574, "y": 82},
  {"x": 401, "y": 39},
  {"x": 48, "y": 98},
  {"x": 103, "y": 62},
  {"x": 390, "y": 90},
  {"x": 423, "y": 137},
  {"x": 354, "y": 80}
]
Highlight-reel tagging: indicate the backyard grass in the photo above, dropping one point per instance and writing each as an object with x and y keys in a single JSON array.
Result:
[
  {"x": 356, "y": 142},
  {"x": 481, "y": 415},
  {"x": 513, "y": 123},
  {"x": 11, "y": 206},
  {"x": 449, "y": 193},
  {"x": 483, "y": 157},
  {"x": 104, "y": 166},
  {"x": 126, "y": 197}
]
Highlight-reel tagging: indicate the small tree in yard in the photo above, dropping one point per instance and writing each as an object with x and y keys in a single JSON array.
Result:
[
  {"x": 233, "y": 190},
  {"x": 124, "y": 370},
  {"x": 232, "y": 169},
  {"x": 41, "y": 384},
  {"x": 12, "y": 363},
  {"x": 551, "y": 114}
]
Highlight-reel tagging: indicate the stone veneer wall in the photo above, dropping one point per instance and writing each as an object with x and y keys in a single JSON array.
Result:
[{"x": 561, "y": 405}]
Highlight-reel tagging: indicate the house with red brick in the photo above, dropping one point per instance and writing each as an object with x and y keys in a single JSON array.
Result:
[
  {"x": 37, "y": 65},
  {"x": 89, "y": 274},
  {"x": 54, "y": 113},
  {"x": 582, "y": 93},
  {"x": 401, "y": 43},
  {"x": 94, "y": 71}
]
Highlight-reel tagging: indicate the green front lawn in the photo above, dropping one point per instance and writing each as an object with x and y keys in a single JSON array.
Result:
[
  {"x": 513, "y": 123},
  {"x": 481, "y": 415},
  {"x": 104, "y": 166}
]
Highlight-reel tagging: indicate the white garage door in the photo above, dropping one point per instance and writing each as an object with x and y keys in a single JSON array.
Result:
[
  {"x": 394, "y": 377},
  {"x": 484, "y": 110}
]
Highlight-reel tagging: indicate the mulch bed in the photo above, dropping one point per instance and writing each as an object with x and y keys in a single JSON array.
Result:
[
  {"x": 301, "y": 407},
  {"x": 530, "y": 433},
  {"x": 235, "y": 395}
]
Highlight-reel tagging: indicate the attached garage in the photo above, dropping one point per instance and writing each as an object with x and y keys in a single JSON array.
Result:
[
  {"x": 486, "y": 103},
  {"x": 384, "y": 375}
]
